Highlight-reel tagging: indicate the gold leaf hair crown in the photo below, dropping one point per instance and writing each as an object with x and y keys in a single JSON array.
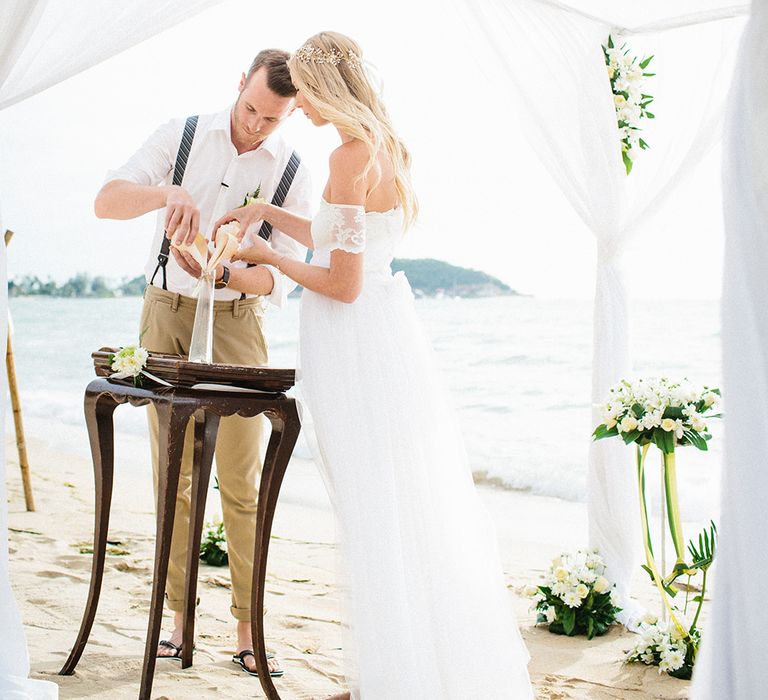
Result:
[{"x": 314, "y": 54}]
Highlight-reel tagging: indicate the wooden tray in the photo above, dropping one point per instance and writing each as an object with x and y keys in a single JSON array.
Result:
[{"x": 177, "y": 370}]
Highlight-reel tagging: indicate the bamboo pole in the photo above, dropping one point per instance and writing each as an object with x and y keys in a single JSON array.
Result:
[{"x": 13, "y": 387}]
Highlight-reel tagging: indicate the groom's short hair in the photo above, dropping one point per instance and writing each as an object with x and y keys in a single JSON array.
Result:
[{"x": 275, "y": 61}]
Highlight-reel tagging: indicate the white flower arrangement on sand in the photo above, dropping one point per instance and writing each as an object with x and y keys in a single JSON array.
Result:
[
  {"x": 213, "y": 546},
  {"x": 575, "y": 597},
  {"x": 660, "y": 643},
  {"x": 627, "y": 75}
]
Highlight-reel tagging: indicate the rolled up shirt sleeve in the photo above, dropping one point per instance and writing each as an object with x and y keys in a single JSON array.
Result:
[
  {"x": 153, "y": 162},
  {"x": 298, "y": 201}
]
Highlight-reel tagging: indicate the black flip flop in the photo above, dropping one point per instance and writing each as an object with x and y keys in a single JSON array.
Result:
[
  {"x": 170, "y": 645},
  {"x": 239, "y": 659}
]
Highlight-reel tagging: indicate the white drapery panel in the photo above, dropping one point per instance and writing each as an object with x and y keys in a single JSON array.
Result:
[
  {"x": 733, "y": 660},
  {"x": 551, "y": 58},
  {"x": 43, "y": 42}
]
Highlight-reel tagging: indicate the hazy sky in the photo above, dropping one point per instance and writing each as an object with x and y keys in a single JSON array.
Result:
[{"x": 486, "y": 202}]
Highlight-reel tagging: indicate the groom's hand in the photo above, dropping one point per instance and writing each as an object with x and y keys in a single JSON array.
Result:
[
  {"x": 182, "y": 217},
  {"x": 186, "y": 262}
]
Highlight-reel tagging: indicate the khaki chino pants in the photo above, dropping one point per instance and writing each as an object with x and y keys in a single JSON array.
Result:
[{"x": 166, "y": 323}]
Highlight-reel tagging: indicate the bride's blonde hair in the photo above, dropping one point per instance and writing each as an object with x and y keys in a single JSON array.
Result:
[{"x": 329, "y": 72}]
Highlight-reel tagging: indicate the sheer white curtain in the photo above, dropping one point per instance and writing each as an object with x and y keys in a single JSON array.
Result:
[
  {"x": 47, "y": 41},
  {"x": 733, "y": 660},
  {"x": 548, "y": 58},
  {"x": 43, "y": 42}
]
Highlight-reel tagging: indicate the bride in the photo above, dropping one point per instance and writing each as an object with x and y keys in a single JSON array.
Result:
[{"x": 427, "y": 614}]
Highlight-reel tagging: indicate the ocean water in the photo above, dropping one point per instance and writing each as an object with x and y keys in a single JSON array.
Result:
[{"x": 518, "y": 369}]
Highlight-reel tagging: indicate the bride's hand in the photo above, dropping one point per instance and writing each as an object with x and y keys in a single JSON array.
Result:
[
  {"x": 245, "y": 216},
  {"x": 259, "y": 252}
]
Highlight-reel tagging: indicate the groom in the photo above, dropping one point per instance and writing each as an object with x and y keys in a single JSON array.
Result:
[{"x": 192, "y": 171}]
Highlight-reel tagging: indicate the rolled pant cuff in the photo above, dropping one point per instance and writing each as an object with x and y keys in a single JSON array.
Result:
[
  {"x": 241, "y": 614},
  {"x": 175, "y": 604}
]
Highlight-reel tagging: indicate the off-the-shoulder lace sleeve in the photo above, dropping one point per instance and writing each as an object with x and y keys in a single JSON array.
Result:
[{"x": 347, "y": 228}]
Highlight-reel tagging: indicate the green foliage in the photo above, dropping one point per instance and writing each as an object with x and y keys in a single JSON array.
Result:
[
  {"x": 592, "y": 618},
  {"x": 133, "y": 287},
  {"x": 81, "y": 285},
  {"x": 627, "y": 162},
  {"x": 704, "y": 554},
  {"x": 430, "y": 277},
  {"x": 427, "y": 277},
  {"x": 665, "y": 440}
]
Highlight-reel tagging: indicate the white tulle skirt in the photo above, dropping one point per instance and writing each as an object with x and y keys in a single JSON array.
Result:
[{"x": 425, "y": 610}]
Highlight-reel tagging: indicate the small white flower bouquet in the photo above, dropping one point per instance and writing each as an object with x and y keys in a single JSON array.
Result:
[
  {"x": 213, "y": 547},
  {"x": 129, "y": 361},
  {"x": 661, "y": 643},
  {"x": 575, "y": 597},
  {"x": 627, "y": 73}
]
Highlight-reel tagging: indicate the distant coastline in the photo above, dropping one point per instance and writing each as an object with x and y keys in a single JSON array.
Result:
[
  {"x": 435, "y": 278},
  {"x": 428, "y": 278}
]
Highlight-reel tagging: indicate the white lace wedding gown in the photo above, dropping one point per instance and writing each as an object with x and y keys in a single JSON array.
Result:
[{"x": 426, "y": 613}]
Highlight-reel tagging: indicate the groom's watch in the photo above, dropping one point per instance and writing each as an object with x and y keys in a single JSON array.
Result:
[{"x": 224, "y": 281}]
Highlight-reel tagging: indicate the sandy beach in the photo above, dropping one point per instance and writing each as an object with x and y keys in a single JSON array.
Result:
[{"x": 50, "y": 567}]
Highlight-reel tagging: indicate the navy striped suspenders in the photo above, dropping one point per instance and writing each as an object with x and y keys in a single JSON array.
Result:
[{"x": 178, "y": 175}]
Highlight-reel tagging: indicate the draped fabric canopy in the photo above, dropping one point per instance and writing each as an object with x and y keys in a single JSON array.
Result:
[
  {"x": 549, "y": 56},
  {"x": 43, "y": 42}
]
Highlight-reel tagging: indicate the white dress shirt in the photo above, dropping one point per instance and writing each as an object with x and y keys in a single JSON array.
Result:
[{"x": 218, "y": 179}]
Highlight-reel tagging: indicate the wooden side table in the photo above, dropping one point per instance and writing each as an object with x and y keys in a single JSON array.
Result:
[{"x": 175, "y": 406}]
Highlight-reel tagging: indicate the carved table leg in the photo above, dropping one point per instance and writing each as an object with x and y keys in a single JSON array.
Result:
[
  {"x": 172, "y": 419},
  {"x": 98, "y": 417},
  {"x": 285, "y": 431},
  {"x": 206, "y": 429}
]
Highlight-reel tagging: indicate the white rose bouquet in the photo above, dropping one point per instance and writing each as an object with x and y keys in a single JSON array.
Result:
[
  {"x": 627, "y": 75},
  {"x": 575, "y": 597}
]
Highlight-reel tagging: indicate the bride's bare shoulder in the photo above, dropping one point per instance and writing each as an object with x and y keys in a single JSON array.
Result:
[
  {"x": 346, "y": 164},
  {"x": 351, "y": 156}
]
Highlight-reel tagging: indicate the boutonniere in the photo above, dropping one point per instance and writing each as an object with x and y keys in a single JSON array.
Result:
[{"x": 253, "y": 197}]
